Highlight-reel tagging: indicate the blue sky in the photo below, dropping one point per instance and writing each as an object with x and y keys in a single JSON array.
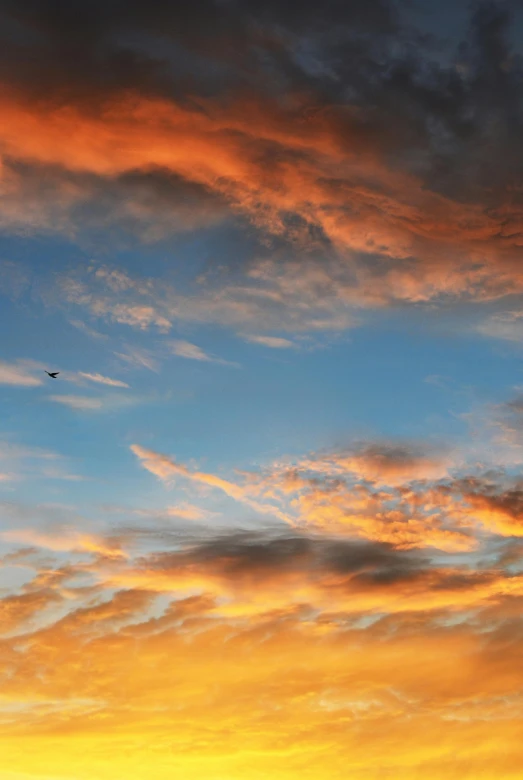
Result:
[{"x": 399, "y": 374}]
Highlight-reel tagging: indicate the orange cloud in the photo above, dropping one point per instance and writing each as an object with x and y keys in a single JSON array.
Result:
[
  {"x": 398, "y": 494},
  {"x": 387, "y": 464},
  {"x": 204, "y": 686},
  {"x": 165, "y": 468},
  {"x": 71, "y": 540},
  {"x": 339, "y": 183}
]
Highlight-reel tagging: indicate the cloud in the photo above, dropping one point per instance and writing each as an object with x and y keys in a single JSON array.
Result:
[
  {"x": 18, "y": 610},
  {"x": 389, "y": 463},
  {"x": 365, "y": 142},
  {"x": 78, "y": 402},
  {"x": 185, "y": 511},
  {"x": 273, "y": 342},
  {"x": 68, "y": 540},
  {"x": 139, "y": 358},
  {"x": 81, "y": 326},
  {"x": 22, "y": 374},
  {"x": 405, "y": 494},
  {"x": 507, "y": 326},
  {"x": 12, "y": 451},
  {"x": 191, "y": 351},
  {"x": 376, "y": 632},
  {"x": 256, "y": 301},
  {"x": 24, "y": 462},
  {"x": 397, "y": 644},
  {"x": 17, "y": 374},
  {"x": 165, "y": 468},
  {"x": 103, "y": 380},
  {"x": 379, "y": 492},
  {"x": 107, "y": 403}
]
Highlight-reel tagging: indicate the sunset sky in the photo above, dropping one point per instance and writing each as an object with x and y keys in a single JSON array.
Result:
[{"x": 267, "y": 522}]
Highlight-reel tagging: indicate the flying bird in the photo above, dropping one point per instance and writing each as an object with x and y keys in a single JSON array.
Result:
[{"x": 52, "y": 374}]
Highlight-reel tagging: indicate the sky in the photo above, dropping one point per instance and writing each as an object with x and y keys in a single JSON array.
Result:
[{"x": 267, "y": 521}]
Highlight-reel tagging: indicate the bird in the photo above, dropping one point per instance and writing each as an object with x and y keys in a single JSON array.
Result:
[{"x": 52, "y": 374}]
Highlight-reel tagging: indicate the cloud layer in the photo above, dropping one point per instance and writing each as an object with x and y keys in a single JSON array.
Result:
[
  {"x": 348, "y": 642},
  {"x": 373, "y": 601},
  {"x": 388, "y": 169}
]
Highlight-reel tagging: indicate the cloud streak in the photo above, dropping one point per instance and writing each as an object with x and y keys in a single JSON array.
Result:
[
  {"x": 80, "y": 403},
  {"x": 274, "y": 342},
  {"x": 102, "y": 380},
  {"x": 165, "y": 468},
  {"x": 193, "y": 352}
]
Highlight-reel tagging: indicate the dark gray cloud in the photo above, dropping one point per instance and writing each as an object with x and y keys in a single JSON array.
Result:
[
  {"x": 246, "y": 555},
  {"x": 89, "y": 46},
  {"x": 458, "y": 125},
  {"x": 294, "y": 96}
]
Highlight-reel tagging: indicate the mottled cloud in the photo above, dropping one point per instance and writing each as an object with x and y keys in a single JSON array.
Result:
[
  {"x": 408, "y": 495},
  {"x": 395, "y": 645},
  {"x": 388, "y": 463},
  {"x": 399, "y": 494},
  {"x": 259, "y": 300}
]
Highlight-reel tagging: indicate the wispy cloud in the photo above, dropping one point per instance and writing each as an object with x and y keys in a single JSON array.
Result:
[
  {"x": 274, "y": 342},
  {"x": 69, "y": 539},
  {"x": 192, "y": 352},
  {"x": 79, "y": 402},
  {"x": 10, "y": 450},
  {"x": 187, "y": 512},
  {"x": 139, "y": 358},
  {"x": 183, "y": 511},
  {"x": 23, "y": 373},
  {"x": 18, "y": 374},
  {"x": 505, "y": 325},
  {"x": 165, "y": 468},
  {"x": 102, "y": 380},
  {"x": 84, "y": 328},
  {"x": 105, "y": 403},
  {"x": 24, "y": 462}
]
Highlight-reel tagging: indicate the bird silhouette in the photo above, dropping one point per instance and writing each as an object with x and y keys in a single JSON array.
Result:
[{"x": 52, "y": 374}]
